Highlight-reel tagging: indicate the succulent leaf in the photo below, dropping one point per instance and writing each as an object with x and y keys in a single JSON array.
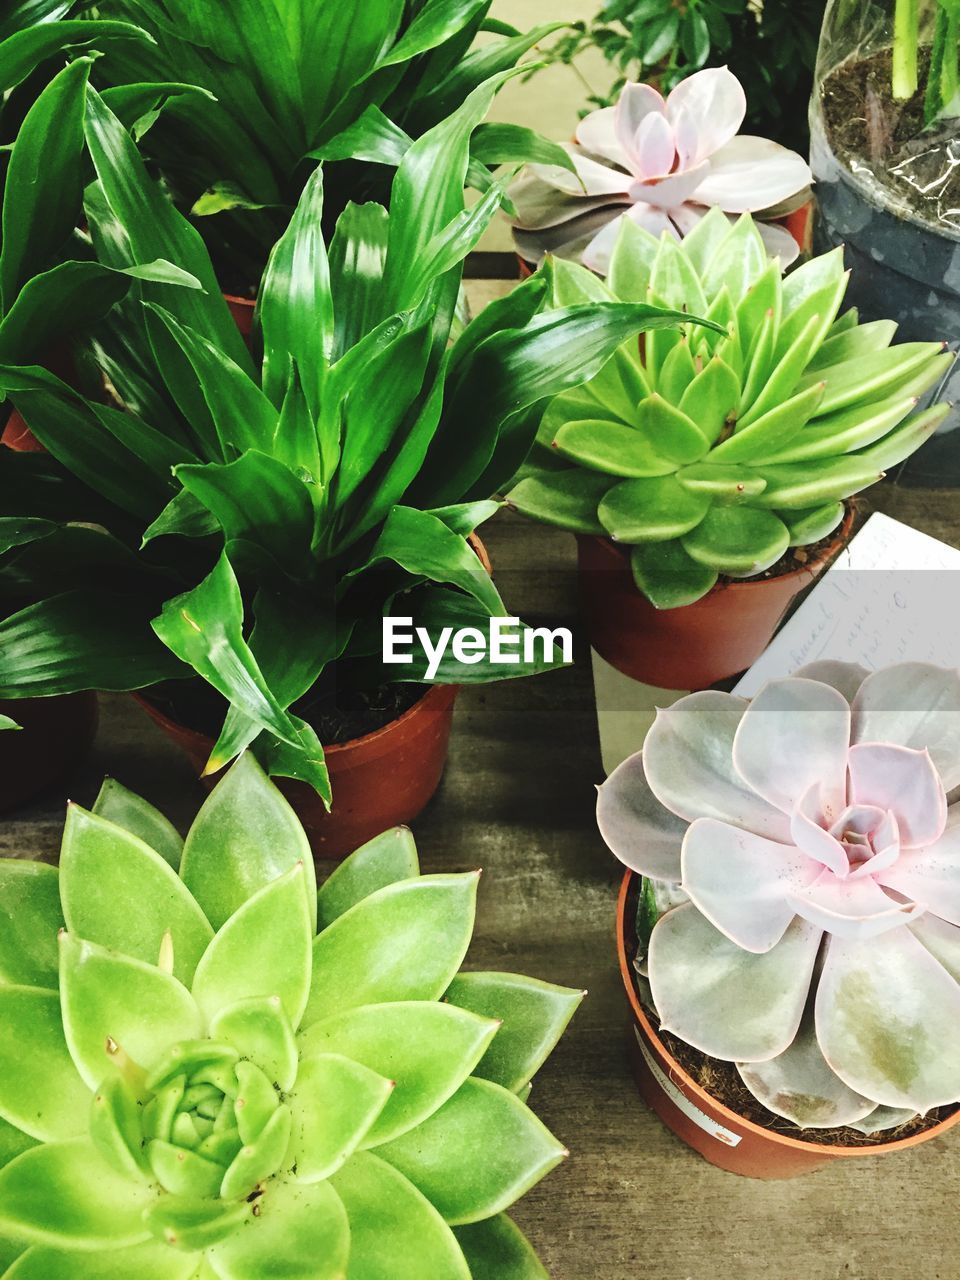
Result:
[
  {"x": 243, "y": 838},
  {"x": 259, "y": 1029},
  {"x": 467, "y": 1191},
  {"x": 498, "y": 1250},
  {"x": 125, "y": 870},
  {"x": 384, "y": 860},
  {"x": 30, "y": 919},
  {"x": 146, "y": 1262},
  {"x": 405, "y": 942},
  {"x": 124, "y": 809},
  {"x": 794, "y": 405},
  {"x": 302, "y": 1232},
  {"x": 40, "y": 1090},
  {"x": 394, "y": 1229},
  {"x": 534, "y": 1015}
]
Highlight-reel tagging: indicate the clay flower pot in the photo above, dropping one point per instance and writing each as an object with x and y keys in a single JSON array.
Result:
[
  {"x": 242, "y": 310},
  {"x": 384, "y": 779},
  {"x": 696, "y": 645},
  {"x": 53, "y": 737},
  {"x": 722, "y": 1137}
]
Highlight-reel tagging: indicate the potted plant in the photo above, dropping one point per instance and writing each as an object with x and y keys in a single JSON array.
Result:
[
  {"x": 257, "y": 519},
  {"x": 883, "y": 125},
  {"x": 231, "y": 1076},
  {"x": 238, "y": 158},
  {"x": 49, "y": 289},
  {"x": 662, "y": 162},
  {"x": 789, "y": 928},
  {"x": 706, "y": 475}
]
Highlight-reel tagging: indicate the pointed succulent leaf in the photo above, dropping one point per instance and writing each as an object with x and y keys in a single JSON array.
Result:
[
  {"x": 498, "y": 1250},
  {"x": 259, "y": 1029},
  {"x": 124, "y": 809},
  {"x": 611, "y": 449},
  {"x": 263, "y": 950},
  {"x": 394, "y": 1229},
  {"x": 534, "y": 1016},
  {"x": 723, "y": 483},
  {"x": 30, "y": 918},
  {"x": 467, "y": 1191},
  {"x": 259, "y": 1159},
  {"x": 40, "y": 1090},
  {"x": 651, "y": 510},
  {"x": 668, "y": 576},
  {"x": 702, "y": 243},
  {"x": 736, "y": 261},
  {"x": 798, "y": 485},
  {"x": 783, "y": 377},
  {"x": 712, "y": 398},
  {"x": 773, "y": 430},
  {"x": 109, "y": 1000},
  {"x": 906, "y": 439},
  {"x": 324, "y": 1137},
  {"x": 65, "y": 1194},
  {"x": 300, "y": 1232},
  {"x": 674, "y": 281},
  {"x": 428, "y": 1050},
  {"x": 256, "y": 1101},
  {"x": 191, "y": 1224},
  {"x": 872, "y": 377},
  {"x": 386, "y": 859},
  {"x": 13, "y": 1142},
  {"x": 632, "y": 262},
  {"x": 764, "y": 298},
  {"x": 852, "y": 343},
  {"x": 405, "y": 942},
  {"x": 182, "y": 1172},
  {"x": 844, "y": 432},
  {"x": 737, "y": 540},
  {"x": 824, "y": 303},
  {"x": 116, "y": 1127},
  {"x": 117, "y": 892},
  {"x": 669, "y": 431},
  {"x": 812, "y": 523},
  {"x": 244, "y": 837},
  {"x": 565, "y": 498}
]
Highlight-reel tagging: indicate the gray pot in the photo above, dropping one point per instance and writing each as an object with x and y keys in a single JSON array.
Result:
[{"x": 903, "y": 269}]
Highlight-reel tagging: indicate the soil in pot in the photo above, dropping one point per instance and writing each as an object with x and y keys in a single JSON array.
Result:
[
  {"x": 385, "y": 750},
  {"x": 888, "y": 190},
  {"x": 704, "y": 1101},
  {"x": 696, "y": 645}
]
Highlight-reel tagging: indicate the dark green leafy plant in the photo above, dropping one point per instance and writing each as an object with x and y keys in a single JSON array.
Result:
[
  {"x": 771, "y": 48},
  {"x": 264, "y": 514},
  {"x": 706, "y": 454},
  {"x": 215, "y": 1073},
  {"x": 288, "y": 78}
]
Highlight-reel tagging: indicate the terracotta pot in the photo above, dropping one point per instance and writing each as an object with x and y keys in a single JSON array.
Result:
[
  {"x": 55, "y": 734},
  {"x": 242, "y": 310},
  {"x": 16, "y": 434},
  {"x": 381, "y": 780},
  {"x": 721, "y": 1136},
  {"x": 698, "y": 644}
]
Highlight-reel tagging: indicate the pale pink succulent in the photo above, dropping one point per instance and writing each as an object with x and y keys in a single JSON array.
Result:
[
  {"x": 812, "y": 835},
  {"x": 663, "y": 163}
]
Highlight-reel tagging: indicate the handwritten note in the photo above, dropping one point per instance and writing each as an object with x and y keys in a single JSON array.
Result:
[{"x": 892, "y": 596}]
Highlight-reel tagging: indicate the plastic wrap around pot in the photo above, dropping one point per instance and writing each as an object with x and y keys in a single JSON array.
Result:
[{"x": 885, "y": 152}]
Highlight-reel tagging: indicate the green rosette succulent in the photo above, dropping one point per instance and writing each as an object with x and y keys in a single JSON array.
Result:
[
  {"x": 708, "y": 453},
  {"x": 197, "y": 1084}
]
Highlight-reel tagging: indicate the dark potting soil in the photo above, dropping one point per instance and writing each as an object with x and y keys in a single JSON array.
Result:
[
  {"x": 866, "y": 127},
  {"x": 722, "y": 1081},
  {"x": 336, "y": 718}
]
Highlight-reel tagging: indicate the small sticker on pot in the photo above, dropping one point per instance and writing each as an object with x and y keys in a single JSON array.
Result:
[{"x": 699, "y": 1118}]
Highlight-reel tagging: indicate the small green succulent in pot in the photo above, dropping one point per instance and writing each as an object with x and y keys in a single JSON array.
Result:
[
  {"x": 218, "y": 1073},
  {"x": 257, "y": 516},
  {"x": 713, "y": 454}
]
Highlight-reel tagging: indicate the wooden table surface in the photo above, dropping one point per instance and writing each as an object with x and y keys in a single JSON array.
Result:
[{"x": 632, "y": 1203}]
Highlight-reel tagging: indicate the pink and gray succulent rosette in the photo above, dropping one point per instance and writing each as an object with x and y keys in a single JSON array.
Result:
[
  {"x": 662, "y": 162},
  {"x": 803, "y": 854}
]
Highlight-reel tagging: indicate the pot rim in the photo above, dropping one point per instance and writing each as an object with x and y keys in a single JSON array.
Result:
[
  {"x": 689, "y": 1085},
  {"x": 812, "y": 570}
]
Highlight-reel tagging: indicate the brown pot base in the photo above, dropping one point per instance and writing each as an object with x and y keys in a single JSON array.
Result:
[
  {"x": 54, "y": 736},
  {"x": 382, "y": 780},
  {"x": 698, "y": 644},
  {"x": 720, "y": 1135}
]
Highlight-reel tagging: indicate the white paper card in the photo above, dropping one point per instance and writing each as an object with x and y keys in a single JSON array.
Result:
[{"x": 892, "y": 596}]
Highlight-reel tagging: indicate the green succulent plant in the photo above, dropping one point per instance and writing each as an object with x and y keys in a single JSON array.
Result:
[
  {"x": 287, "y": 82},
  {"x": 211, "y": 1072},
  {"x": 249, "y": 518},
  {"x": 708, "y": 453}
]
